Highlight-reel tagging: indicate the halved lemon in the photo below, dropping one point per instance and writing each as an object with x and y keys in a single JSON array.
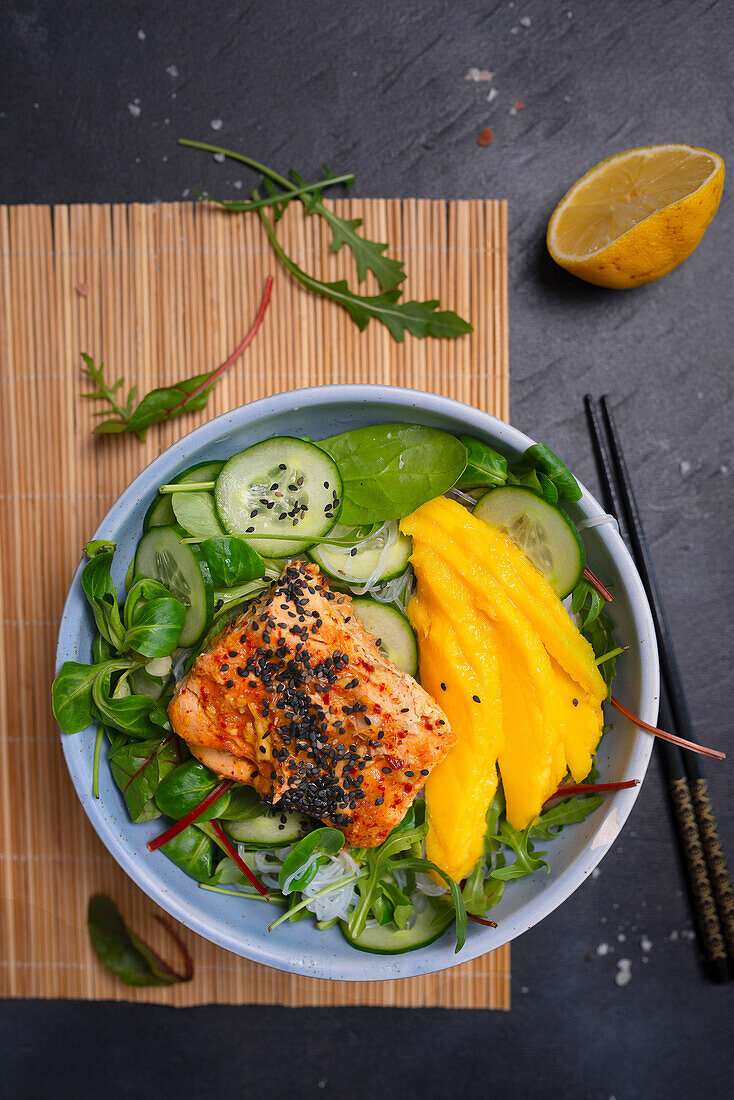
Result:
[{"x": 637, "y": 215}]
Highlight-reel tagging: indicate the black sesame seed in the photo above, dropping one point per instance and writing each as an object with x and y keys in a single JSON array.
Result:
[
  {"x": 282, "y": 466},
  {"x": 575, "y": 702},
  {"x": 229, "y": 684},
  {"x": 249, "y": 530},
  {"x": 425, "y": 771},
  {"x": 476, "y": 699},
  {"x": 443, "y": 687},
  {"x": 224, "y": 668},
  {"x": 410, "y": 774},
  {"x": 405, "y": 710},
  {"x": 379, "y": 801}
]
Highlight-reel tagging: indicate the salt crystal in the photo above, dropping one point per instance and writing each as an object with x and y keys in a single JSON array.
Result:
[
  {"x": 621, "y": 938},
  {"x": 524, "y": 989},
  {"x": 141, "y": 35},
  {"x": 216, "y": 124},
  {"x": 237, "y": 185},
  {"x": 685, "y": 467},
  {"x": 219, "y": 158},
  {"x": 478, "y": 75},
  {"x": 514, "y": 30},
  {"x": 646, "y": 945},
  {"x": 492, "y": 94},
  {"x": 624, "y": 972},
  {"x": 134, "y": 109},
  {"x": 595, "y": 873},
  {"x": 723, "y": 469},
  {"x": 524, "y": 21},
  {"x": 603, "y": 949},
  {"x": 674, "y": 936},
  {"x": 172, "y": 71}
]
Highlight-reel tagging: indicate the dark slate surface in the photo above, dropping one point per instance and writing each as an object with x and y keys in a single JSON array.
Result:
[{"x": 91, "y": 99}]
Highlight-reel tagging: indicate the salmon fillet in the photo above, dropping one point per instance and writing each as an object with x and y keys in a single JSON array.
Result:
[{"x": 295, "y": 699}]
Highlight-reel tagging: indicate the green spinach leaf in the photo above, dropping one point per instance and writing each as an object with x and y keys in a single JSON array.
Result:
[
  {"x": 192, "y": 851},
  {"x": 542, "y": 459},
  {"x": 389, "y": 470},
  {"x": 231, "y": 561},
  {"x": 484, "y": 465},
  {"x": 183, "y": 789}
]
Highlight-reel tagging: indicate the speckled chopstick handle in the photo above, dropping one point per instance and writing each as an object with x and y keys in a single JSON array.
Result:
[
  {"x": 715, "y": 859},
  {"x": 710, "y": 932}
]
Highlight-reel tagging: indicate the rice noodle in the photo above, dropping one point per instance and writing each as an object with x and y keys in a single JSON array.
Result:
[
  {"x": 597, "y": 521},
  {"x": 389, "y": 533},
  {"x": 427, "y": 886},
  {"x": 463, "y": 498},
  {"x": 338, "y": 903}
]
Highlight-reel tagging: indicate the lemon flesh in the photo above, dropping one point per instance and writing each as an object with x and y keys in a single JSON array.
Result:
[{"x": 636, "y": 216}]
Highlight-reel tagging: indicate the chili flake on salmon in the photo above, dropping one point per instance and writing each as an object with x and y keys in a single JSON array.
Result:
[{"x": 296, "y": 699}]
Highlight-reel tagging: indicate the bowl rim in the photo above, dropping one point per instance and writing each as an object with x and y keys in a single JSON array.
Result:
[{"x": 440, "y": 956}]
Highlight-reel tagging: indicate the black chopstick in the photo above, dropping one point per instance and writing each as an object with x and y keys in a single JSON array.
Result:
[{"x": 697, "y": 836}]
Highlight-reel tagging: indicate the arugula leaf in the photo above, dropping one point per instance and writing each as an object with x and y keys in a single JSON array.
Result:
[
  {"x": 303, "y": 862},
  {"x": 137, "y": 768},
  {"x": 389, "y": 470},
  {"x": 414, "y": 864},
  {"x": 165, "y": 402},
  {"x": 197, "y": 515},
  {"x": 368, "y": 255},
  {"x": 232, "y": 561},
  {"x": 570, "y": 812},
  {"x": 526, "y": 860},
  {"x": 417, "y": 318},
  {"x": 124, "y": 953}
]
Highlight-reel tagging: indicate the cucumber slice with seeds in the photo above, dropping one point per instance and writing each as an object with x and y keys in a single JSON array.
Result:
[
  {"x": 267, "y": 830},
  {"x": 430, "y": 924},
  {"x": 394, "y": 632},
  {"x": 354, "y": 565},
  {"x": 280, "y": 487},
  {"x": 181, "y": 568},
  {"x": 544, "y": 532}
]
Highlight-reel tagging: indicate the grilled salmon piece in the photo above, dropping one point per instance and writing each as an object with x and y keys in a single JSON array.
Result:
[{"x": 296, "y": 699}]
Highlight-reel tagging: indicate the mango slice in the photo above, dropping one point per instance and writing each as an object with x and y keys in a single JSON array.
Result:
[
  {"x": 458, "y": 665},
  {"x": 490, "y": 626}
]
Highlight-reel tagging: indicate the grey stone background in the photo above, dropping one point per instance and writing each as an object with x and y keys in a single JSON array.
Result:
[{"x": 92, "y": 98}]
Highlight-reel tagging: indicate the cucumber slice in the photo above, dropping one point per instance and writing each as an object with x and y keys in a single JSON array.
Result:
[
  {"x": 386, "y": 939},
  {"x": 544, "y": 532},
  {"x": 394, "y": 632},
  {"x": 368, "y": 561},
  {"x": 266, "y": 830},
  {"x": 182, "y": 569},
  {"x": 276, "y": 488},
  {"x": 160, "y": 513}
]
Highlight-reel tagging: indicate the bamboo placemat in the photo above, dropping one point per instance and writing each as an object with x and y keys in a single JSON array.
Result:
[{"x": 159, "y": 293}]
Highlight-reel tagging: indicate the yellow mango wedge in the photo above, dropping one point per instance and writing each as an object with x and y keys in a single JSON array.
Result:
[
  {"x": 478, "y": 593},
  {"x": 458, "y": 665},
  {"x": 523, "y": 584}
]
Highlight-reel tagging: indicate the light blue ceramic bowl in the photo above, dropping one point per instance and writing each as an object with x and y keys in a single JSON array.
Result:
[{"x": 241, "y": 926}]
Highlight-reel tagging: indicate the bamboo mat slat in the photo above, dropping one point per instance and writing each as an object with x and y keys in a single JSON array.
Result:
[{"x": 159, "y": 293}]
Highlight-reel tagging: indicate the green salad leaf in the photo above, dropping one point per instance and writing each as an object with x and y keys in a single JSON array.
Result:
[
  {"x": 193, "y": 851},
  {"x": 548, "y": 467},
  {"x": 101, "y": 593},
  {"x": 137, "y": 768},
  {"x": 417, "y": 318},
  {"x": 389, "y": 470},
  {"x": 71, "y": 696},
  {"x": 125, "y": 954},
  {"x": 307, "y": 856},
  {"x": 232, "y": 561},
  {"x": 485, "y": 467},
  {"x": 197, "y": 515}
]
